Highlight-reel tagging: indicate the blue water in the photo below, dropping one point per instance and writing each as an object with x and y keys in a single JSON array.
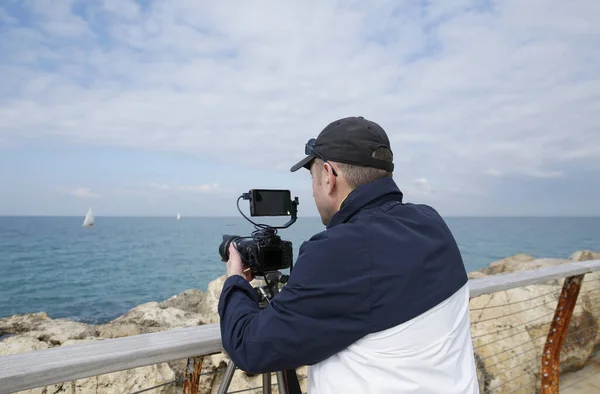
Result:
[{"x": 94, "y": 275}]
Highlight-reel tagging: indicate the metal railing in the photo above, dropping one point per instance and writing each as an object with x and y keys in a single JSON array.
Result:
[
  {"x": 525, "y": 337},
  {"x": 528, "y": 329}
]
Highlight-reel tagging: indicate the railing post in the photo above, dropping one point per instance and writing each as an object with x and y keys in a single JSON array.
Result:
[
  {"x": 192, "y": 375},
  {"x": 557, "y": 334}
]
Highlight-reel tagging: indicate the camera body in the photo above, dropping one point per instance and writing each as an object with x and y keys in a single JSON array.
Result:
[
  {"x": 263, "y": 254},
  {"x": 264, "y": 251}
]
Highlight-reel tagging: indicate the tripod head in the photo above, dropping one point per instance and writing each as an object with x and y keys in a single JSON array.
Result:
[{"x": 271, "y": 288}]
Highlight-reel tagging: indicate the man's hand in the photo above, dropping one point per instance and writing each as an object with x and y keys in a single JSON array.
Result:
[{"x": 235, "y": 265}]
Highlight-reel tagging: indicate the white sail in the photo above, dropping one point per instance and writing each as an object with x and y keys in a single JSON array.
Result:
[
  {"x": 178, "y": 216},
  {"x": 89, "y": 219}
]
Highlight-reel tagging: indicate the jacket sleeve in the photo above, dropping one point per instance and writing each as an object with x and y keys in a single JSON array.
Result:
[{"x": 322, "y": 309}]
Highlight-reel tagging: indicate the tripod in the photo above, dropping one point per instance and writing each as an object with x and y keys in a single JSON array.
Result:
[{"x": 287, "y": 380}]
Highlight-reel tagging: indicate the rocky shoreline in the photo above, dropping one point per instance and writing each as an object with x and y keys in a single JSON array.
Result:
[{"x": 35, "y": 331}]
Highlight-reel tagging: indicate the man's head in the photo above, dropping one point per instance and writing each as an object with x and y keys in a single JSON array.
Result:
[{"x": 349, "y": 152}]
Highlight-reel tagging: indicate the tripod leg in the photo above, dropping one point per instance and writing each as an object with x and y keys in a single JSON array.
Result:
[
  {"x": 287, "y": 382},
  {"x": 266, "y": 383},
  {"x": 227, "y": 376},
  {"x": 281, "y": 382}
]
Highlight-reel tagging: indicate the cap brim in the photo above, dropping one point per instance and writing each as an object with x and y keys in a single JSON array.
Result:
[{"x": 302, "y": 163}]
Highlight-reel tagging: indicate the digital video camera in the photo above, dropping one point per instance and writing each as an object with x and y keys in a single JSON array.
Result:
[{"x": 264, "y": 251}]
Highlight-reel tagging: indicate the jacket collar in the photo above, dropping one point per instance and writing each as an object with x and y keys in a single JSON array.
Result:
[{"x": 363, "y": 195}]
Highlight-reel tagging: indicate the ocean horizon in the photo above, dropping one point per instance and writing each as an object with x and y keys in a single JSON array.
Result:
[{"x": 52, "y": 264}]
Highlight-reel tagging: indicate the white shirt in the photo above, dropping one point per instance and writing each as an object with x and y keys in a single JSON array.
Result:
[{"x": 432, "y": 353}]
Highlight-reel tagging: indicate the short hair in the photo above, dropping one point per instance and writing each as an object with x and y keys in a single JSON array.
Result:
[{"x": 360, "y": 175}]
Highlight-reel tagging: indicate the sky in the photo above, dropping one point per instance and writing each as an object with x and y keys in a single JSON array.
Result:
[{"x": 154, "y": 107}]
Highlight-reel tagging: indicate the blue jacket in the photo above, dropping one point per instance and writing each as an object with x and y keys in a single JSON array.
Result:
[{"x": 379, "y": 263}]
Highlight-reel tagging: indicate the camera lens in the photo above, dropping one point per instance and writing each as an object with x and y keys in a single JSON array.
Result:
[{"x": 224, "y": 246}]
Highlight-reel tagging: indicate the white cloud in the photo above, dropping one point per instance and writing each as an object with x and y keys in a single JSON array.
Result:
[
  {"x": 205, "y": 188},
  {"x": 422, "y": 185},
  {"x": 512, "y": 87},
  {"x": 160, "y": 186},
  {"x": 494, "y": 172},
  {"x": 84, "y": 192}
]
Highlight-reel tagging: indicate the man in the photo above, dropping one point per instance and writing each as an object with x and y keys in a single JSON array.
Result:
[{"x": 376, "y": 303}]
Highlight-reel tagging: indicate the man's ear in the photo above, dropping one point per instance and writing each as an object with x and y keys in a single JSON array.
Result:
[{"x": 329, "y": 177}]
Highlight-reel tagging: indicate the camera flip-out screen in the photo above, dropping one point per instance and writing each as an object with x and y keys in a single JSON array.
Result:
[{"x": 266, "y": 202}]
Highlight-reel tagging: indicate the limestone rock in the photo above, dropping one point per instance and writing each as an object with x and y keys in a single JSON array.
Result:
[
  {"x": 59, "y": 328},
  {"x": 589, "y": 301},
  {"x": 188, "y": 301},
  {"x": 115, "y": 330},
  {"x": 584, "y": 255},
  {"x": 210, "y": 302},
  {"x": 20, "y": 344},
  {"x": 520, "y": 262},
  {"x": 476, "y": 275},
  {"x": 501, "y": 266},
  {"x": 39, "y": 325},
  {"x": 150, "y": 317},
  {"x": 17, "y": 324}
]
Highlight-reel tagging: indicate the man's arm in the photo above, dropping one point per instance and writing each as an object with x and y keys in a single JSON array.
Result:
[{"x": 322, "y": 309}]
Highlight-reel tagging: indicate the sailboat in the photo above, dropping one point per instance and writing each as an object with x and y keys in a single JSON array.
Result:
[
  {"x": 89, "y": 219},
  {"x": 178, "y": 216}
]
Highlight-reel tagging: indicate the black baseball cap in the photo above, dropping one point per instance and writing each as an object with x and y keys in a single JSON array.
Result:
[{"x": 349, "y": 140}]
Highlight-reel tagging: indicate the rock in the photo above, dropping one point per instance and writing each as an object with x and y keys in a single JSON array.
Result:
[
  {"x": 3, "y": 337},
  {"x": 40, "y": 326},
  {"x": 584, "y": 255},
  {"x": 22, "y": 323},
  {"x": 210, "y": 302},
  {"x": 589, "y": 294},
  {"x": 520, "y": 262},
  {"x": 188, "y": 301},
  {"x": 148, "y": 317},
  {"x": 57, "y": 340},
  {"x": 20, "y": 344},
  {"x": 60, "y": 328},
  {"x": 501, "y": 266},
  {"x": 476, "y": 275},
  {"x": 114, "y": 330}
]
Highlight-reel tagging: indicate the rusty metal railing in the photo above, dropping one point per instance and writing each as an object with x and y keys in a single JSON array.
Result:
[
  {"x": 519, "y": 334},
  {"x": 558, "y": 333}
]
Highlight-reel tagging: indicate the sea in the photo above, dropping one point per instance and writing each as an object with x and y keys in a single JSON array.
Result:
[{"x": 93, "y": 275}]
